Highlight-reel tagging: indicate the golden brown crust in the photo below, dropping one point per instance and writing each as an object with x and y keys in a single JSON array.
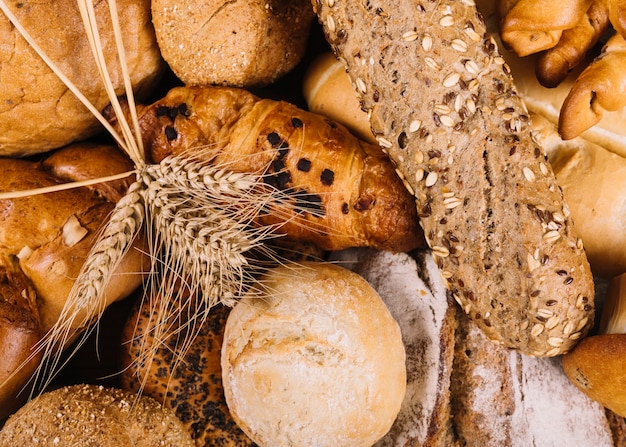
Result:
[
  {"x": 239, "y": 43},
  {"x": 336, "y": 195},
  {"x": 530, "y": 26},
  {"x": 37, "y": 111},
  {"x": 53, "y": 232},
  {"x": 554, "y": 65},
  {"x": 598, "y": 89},
  {"x": 190, "y": 382},
  {"x": 597, "y": 366}
]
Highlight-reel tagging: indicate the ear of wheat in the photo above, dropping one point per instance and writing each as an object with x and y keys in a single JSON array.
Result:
[{"x": 197, "y": 219}]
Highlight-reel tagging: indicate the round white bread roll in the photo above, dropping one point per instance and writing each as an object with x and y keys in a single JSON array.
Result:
[
  {"x": 318, "y": 360},
  {"x": 92, "y": 415}
]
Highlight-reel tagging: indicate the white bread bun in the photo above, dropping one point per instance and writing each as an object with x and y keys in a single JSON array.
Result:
[
  {"x": 92, "y": 415},
  {"x": 327, "y": 90},
  {"x": 318, "y": 360}
]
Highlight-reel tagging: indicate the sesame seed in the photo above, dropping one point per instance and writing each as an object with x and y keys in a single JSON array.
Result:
[
  {"x": 446, "y": 21},
  {"x": 552, "y": 322},
  {"x": 415, "y": 125},
  {"x": 459, "y": 45},
  {"x": 568, "y": 329},
  {"x": 543, "y": 168},
  {"x": 575, "y": 336},
  {"x": 452, "y": 202},
  {"x": 419, "y": 156},
  {"x": 440, "y": 251},
  {"x": 472, "y": 67},
  {"x": 581, "y": 324},
  {"x": 383, "y": 142},
  {"x": 419, "y": 175},
  {"x": 472, "y": 34},
  {"x": 408, "y": 187},
  {"x": 553, "y": 352},
  {"x": 442, "y": 109},
  {"x": 555, "y": 341},
  {"x": 432, "y": 63},
  {"x": 528, "y": 174},
  {"x": 409, "y": 36},
  {"x": 427, "y": 42},
  {"x": 447, "y": 120},
  {"x": 551, "y": 236},
  {"x": 545, "y": 313},
  {"x": 431, "y": 179},
  {"x": 330, "y": 3},
  {"x": 361, "y": 85},
  {"x": 536, "y": 330},
  {"x": 330, "y": 23},
  {"x": 451, "y": 80}
]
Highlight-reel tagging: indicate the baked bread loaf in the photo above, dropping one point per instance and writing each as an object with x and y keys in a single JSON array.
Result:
[
  {"x": 242, "y": 43},
  {"x": 37, "y": 111},
  {"x": 317, "y": 344},
  {"x": 92, "y": 415},
  {"x": 185, "y": 378},
  {"x": 442, "y": 102},
  {"x": 328, "y": 182}
]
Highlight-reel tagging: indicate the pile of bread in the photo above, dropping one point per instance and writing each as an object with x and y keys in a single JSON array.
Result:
[{"x": 365, "y": 347}]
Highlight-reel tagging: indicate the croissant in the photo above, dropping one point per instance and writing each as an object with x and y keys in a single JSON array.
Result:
[
  {"x": 531, "y": 26},
  {"x": 342, "y": 192},
  {"x": 600, "y": 87},
  {"x": 555, "y": 63}
]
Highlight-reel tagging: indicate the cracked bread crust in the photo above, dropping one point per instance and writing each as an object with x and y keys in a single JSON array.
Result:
[{"x": 442, "y": 102}]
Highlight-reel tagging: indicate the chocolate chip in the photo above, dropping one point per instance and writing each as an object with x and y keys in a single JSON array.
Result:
[
  {"x": 274, "y": 139},
  {"x": 170, "y": 133},
  {"x": 304, "y": 165},
  {"x": 296, "y": 122},
  {"x": 328, "y": 177}
]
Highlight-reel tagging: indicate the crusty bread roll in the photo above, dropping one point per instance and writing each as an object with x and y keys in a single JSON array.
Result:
[
  {"x": 91, "y": 415},
  {"x": 37, "y": 111},
  {"x": 317, "y": 360},
  {"x": 239, "y": 43},
  {"x": 597, "y": 366}
]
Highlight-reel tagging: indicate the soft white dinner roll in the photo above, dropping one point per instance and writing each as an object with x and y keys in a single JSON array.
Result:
[{"x": 317, "y": 361}]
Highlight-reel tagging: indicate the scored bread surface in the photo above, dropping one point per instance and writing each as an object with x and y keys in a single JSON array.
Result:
[{"x": 442, "y": 102}]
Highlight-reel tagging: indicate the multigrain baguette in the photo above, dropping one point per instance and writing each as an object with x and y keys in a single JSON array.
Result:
[{"x": 442, "y": 102}]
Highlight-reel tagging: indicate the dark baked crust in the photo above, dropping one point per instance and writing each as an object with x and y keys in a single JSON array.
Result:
[
  {"x": 443, "y": 103},
  {"x": 189, "y": 382}
]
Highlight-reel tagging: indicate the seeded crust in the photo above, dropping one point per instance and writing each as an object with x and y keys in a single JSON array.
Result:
[
  {"x": 442, "y": 102},
  {"x": 192, "y": 385},
  {"x": 94, "y": 416}
]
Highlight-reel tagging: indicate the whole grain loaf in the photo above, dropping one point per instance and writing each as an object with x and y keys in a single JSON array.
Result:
[{"x": 442, "y": 102}]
